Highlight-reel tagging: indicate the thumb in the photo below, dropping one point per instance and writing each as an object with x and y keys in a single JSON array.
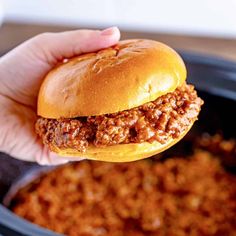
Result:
[
  {"x": 26, "y": 65},
  {"x": 53, "y": 47}
]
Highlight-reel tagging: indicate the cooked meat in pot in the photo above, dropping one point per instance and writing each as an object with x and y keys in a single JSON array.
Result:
[{"x": 182, "y": 196}]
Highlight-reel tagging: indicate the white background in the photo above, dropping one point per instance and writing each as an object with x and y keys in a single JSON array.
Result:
[{"x": 196, "y": 17}]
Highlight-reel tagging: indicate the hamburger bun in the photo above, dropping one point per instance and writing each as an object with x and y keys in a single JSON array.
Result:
[{"x": 111, "y": 80}]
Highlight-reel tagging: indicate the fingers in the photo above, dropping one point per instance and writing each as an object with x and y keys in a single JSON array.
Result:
[
  {"x": 51, "y": 159},
  {"x": 53, "y": 47},
  {"x": 46, "y": 157}
]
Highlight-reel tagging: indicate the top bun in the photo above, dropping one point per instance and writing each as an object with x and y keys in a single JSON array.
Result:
[{"x": 114, "y": 79}]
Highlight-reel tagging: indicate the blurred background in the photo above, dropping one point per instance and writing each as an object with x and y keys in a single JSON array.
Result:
[{"x": 204, "y": 26}]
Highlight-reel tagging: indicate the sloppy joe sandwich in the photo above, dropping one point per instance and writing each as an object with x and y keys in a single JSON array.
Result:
[{"x": 122, "y": 103}]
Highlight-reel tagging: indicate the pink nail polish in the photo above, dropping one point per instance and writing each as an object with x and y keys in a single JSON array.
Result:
[{"x": 108, "y": 31}]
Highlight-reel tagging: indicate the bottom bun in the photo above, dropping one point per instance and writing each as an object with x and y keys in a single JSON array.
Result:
[{"x": 121, "y": 152}]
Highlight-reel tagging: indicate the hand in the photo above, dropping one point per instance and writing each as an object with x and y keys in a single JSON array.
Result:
[{"x": 21, "y": 73}]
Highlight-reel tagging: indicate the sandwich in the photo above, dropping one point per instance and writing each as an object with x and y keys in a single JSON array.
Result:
[{"x": 123, "y": 103}]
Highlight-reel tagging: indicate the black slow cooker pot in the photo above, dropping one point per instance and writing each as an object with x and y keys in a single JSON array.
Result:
[{"x": 215, "y": 80}]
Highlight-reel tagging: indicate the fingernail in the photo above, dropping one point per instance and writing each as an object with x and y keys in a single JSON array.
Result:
[{"x": 108, "y": 31}]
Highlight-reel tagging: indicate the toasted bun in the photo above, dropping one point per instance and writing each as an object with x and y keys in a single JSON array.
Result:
[
  {"x": 115, "y": 79},
  {"x": 121, "y": 152}
]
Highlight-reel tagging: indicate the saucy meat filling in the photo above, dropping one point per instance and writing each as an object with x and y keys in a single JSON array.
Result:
[{"x": 166, "y": 117}]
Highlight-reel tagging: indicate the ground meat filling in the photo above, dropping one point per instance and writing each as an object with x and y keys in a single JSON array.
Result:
[
  {"x": 166, "y": 117},
  {"x": 179, "y": 196}
]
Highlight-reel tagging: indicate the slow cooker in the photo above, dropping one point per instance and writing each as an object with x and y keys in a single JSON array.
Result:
[{"x": 214, "y": 78}]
